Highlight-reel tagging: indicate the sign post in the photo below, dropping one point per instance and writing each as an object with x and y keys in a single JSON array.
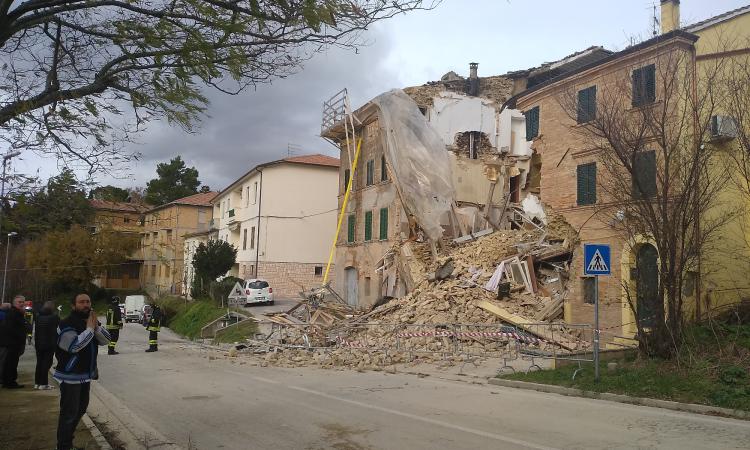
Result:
[{"x": 596, "y": 261}]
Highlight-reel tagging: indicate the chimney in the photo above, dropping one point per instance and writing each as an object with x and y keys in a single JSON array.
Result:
[
  {"x": 473, "y": 80},
  {"x": 670, "y": 15}
]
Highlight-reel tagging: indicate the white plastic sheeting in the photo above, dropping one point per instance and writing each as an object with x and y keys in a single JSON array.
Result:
[
  {"x": 533, "y": 208},
  {"x": 418, "y": 159}
]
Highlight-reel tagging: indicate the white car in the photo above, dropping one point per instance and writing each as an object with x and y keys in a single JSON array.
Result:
[{"x": 258, "y": 291}]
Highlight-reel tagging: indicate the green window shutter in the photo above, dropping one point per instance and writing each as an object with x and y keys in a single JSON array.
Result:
[
  {"x": 384, "y": 223},
  {"x": 644, "y": 85},
  {"x": 347, "y": 175},
  {"x": 586, "y": 184},
  {"x": 637, "y": 87},
  {"x": 582, "y": 103},
  {"x": 644, "y": 175},
  {"x": 650, "y": 82},
  {"x": 351, "y": 221},
  {"x": 368, "y": 226},
  {"x": 532, "y": 123},
  {"x": 587, "y": 104},
  {"x": 370, "y": 172}
]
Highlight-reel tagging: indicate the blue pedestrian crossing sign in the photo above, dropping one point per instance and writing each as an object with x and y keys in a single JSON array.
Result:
[{"x": 596, "y": 259}]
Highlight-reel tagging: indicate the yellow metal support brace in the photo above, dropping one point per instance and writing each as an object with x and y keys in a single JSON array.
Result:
[{"x": 343, "y": 208}]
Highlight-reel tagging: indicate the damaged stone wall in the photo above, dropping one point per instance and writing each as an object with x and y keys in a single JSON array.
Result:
[{"x": 365, "y": 256}]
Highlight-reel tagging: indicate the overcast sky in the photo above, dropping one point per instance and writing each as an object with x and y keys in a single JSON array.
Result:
[{"x": 501, "y": 35}]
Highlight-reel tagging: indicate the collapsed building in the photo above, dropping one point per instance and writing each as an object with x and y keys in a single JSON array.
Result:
[{"x": 478, "y": 153}]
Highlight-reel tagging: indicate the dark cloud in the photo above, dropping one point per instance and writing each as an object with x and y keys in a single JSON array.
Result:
[{"x": 257, "y": 125}]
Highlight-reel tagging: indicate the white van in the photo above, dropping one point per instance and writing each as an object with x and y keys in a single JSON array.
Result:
[{"x": 134, "y": 307}]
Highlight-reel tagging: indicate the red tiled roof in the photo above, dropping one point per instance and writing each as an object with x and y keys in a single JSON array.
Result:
[
  {"x": 316, "y": 160},
  {"x": 117, "y": 206},
  {"x": 200, "y": 199}
]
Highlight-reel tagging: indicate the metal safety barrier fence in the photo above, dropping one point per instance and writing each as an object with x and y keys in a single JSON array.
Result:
[{"x": 463, "y": 342}]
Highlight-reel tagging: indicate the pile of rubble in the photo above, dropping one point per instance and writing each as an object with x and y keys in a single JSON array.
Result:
[{"x": 516, "y": 278}]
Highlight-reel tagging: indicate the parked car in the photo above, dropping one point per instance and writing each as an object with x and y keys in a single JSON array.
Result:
[
  {"x": 258, "y": 291},
  {"x": 134, "y": 308},
  {"x": 122, "y": 309}
]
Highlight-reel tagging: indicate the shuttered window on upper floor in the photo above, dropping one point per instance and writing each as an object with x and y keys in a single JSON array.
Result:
[
  {"x": 532, "y": 123},
  {"x": 351, "y": 221},
  {"x": 586, "y": 183},
  {"x": 368, "y": 226},
  {"x": 383, "y": 223},
  {"x": 644, "y": 85},
  {"x": 644, "y": 175},
  {"x": 587, "y": 105}
]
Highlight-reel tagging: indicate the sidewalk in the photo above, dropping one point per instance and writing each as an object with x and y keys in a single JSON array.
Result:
[{"x": 29, "y": 417}]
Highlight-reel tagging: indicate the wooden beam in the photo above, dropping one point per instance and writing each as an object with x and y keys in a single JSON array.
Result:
[{"x": 522, "y": 323}]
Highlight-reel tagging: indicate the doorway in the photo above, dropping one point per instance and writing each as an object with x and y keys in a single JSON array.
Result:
[
  {"x": 351, "y": 286},
  {"x": 647, "y": 285}
]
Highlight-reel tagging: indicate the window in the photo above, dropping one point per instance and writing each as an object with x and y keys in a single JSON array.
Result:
[
  {"x": 255, "y": 192},
  {"x": 247, "y": 195},
  {"x": 126, "y": 219},
  {"x": 318, "y": 271},
  {"x": 587, "y": 184},
  {"x": 153, "y": 271},
  {"x": 252, "y": 269},
  {"x": 383, "y": 223},
  {"x": 587, "y": 105},
  {"x": 370, "y": 172},
  {"x": 644, "y": 85},
  {"x": 347, "y": 175},
  {"x": 258, "y": 284},
  {"x": 368, "y": 226},
  {"x": 475, "y": 138},
  {"x": 383, "y": 169},
  {"x": 532, "y": 123},
  {"x": 589, "y": 290},
  {"x": 367, "y": 286},
  {"x": 644, "y": 175},
  {"x": 244, "y": 239},
  {"x": 351, "y": 221},
  {"x": 252, "y": 238}
]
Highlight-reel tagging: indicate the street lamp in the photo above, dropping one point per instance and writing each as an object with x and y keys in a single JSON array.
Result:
[
  {"x": 5, "y": 269},
  {"x": 7, "y": 157}
]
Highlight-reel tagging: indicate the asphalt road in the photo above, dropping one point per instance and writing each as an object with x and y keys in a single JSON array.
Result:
[{"x": 188, "y": 396}]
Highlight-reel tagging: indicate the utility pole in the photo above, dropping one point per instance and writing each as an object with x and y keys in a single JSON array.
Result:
[
  {"x": 5, "y": 269},
  {"x": 7, "y": 157}
]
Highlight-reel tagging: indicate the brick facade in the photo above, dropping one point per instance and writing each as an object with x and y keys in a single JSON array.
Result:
[
  {"x": 287, "y": 279},
  {"x": 562, "y": 149}
]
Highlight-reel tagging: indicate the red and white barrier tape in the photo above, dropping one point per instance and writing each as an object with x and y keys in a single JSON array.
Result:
[{"x": 462, "y": 334}]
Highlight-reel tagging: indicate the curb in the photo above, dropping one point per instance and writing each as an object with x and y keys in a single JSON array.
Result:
[
  {"x": 101, "y": 441},
  {"x": 654, "y": 403}
]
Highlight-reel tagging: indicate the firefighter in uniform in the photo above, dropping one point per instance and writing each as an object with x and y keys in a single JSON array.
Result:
[
  {"x": 114, "y": 324},
  {"x": 154, "y": 326},
  {"x": 28, "y": 315}
]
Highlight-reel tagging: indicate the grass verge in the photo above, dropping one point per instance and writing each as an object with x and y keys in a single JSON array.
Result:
[
  {"x": 237, "y": 333},
  {"x": 188, "y": 318},
  {"x": 712, "y": 368}
]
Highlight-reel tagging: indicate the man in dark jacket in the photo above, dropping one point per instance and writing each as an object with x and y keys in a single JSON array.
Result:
[
  {"x": 78, "y": 336},
  {"x": 114, "y": 324},
  {"x": 45, "y": 342},
  {"x": 16, "y": 328}
]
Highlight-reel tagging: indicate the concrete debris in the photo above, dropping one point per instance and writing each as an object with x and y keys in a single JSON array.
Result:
[{"x": 446, "y": 292}]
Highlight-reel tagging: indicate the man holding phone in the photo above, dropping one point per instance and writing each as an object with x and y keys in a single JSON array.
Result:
[{"x": 78, "y": 338}]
